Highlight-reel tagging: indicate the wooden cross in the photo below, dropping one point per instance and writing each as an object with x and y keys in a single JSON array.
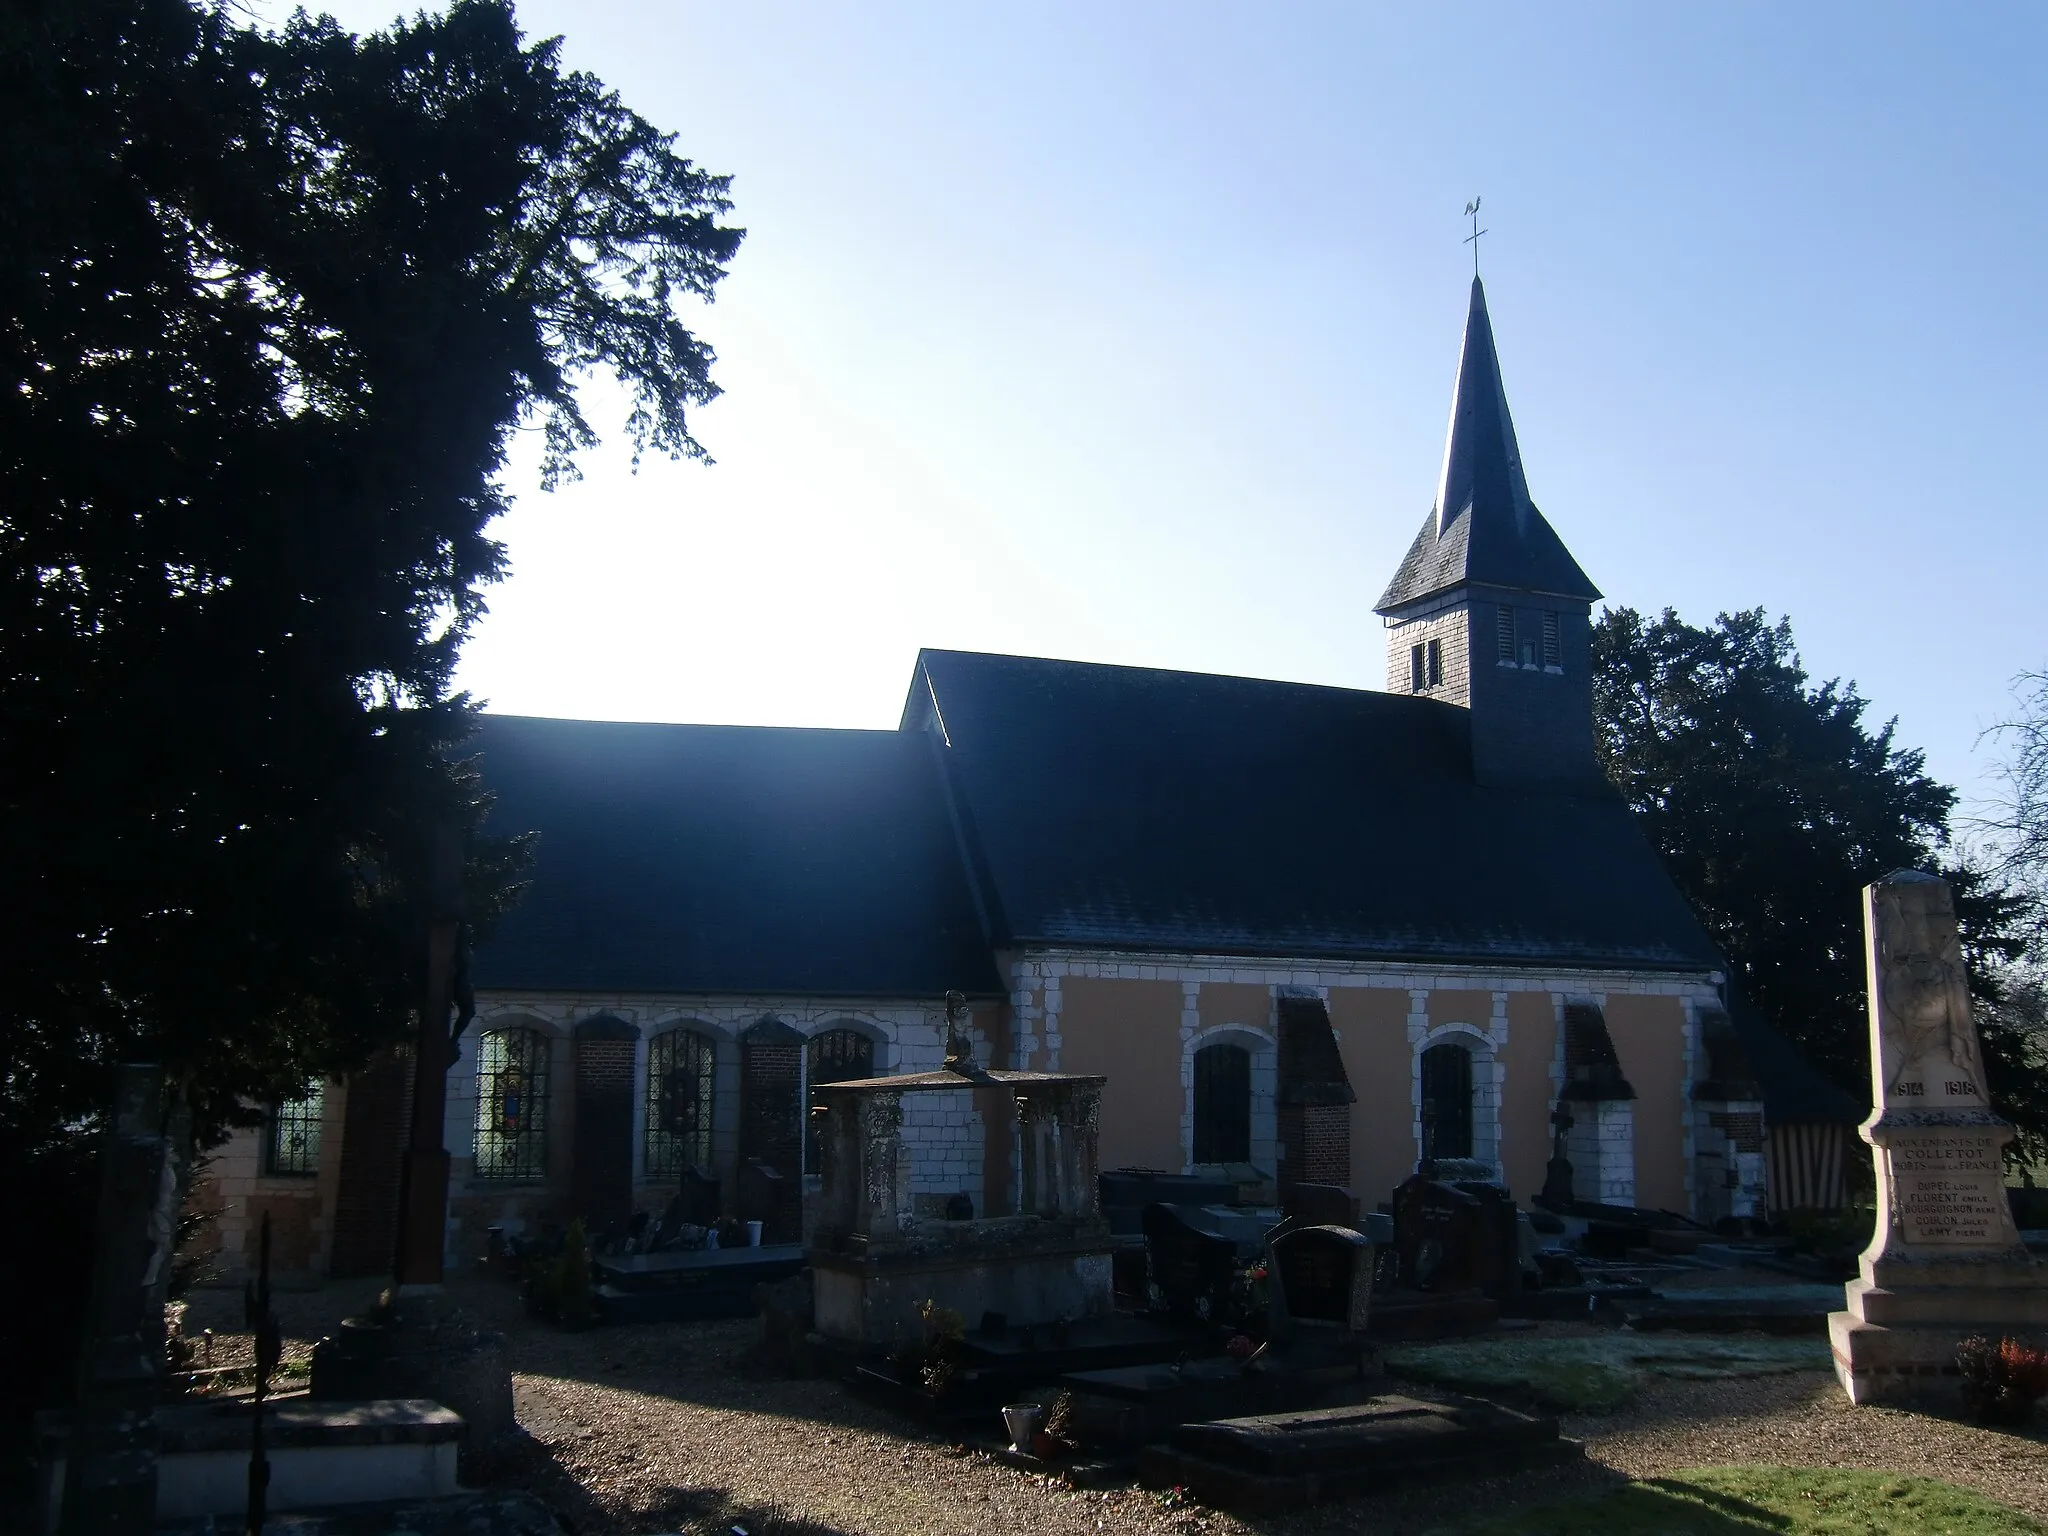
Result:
[{"x": 1472, "y": 209}]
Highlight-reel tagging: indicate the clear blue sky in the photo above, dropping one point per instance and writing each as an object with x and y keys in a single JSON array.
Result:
[{"x": 1125, "y": 332}]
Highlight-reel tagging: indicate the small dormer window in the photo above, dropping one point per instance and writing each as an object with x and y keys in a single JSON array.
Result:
[{"x": 1553, "y": 650}]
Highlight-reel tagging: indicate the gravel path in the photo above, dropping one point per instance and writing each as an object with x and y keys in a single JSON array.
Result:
[{"x": 670, "y": 1428}]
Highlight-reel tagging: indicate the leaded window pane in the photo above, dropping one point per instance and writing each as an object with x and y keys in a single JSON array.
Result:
[
  {"x": 292, "y": 1145},
  {"x": 512, "y": 1105},
  {"x": 835, "y": 1056},
  {"x": 1223, "y": 1104},
  {"x": 682, "y": 1067}
]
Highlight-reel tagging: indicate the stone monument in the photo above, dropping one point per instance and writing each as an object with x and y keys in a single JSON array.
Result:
[{"x": 1945, "y": 1260}]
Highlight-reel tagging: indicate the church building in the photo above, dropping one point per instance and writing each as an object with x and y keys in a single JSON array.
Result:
[{"x": 1308, "y": 934}]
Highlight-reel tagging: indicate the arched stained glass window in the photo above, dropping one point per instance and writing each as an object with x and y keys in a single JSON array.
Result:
[
  {"x": 833, "y": 1056},
  {"x": 1223, "y": 1104},
  {"x": 292, "y": 1135},
  {"x": 1446, "y": 1101},
  {"x": 512, "y": 1105},
  {"x": 682, "y": 1081}
]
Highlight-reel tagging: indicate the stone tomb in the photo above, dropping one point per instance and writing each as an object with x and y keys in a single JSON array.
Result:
[
  {"x": 883, "y": 1245},
  {"x": 1945, "y": 1260},
  {"x": 1286, "y": 1460}
]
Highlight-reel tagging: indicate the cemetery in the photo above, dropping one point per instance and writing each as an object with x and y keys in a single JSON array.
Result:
[{"x": 1151, "y": 1342}]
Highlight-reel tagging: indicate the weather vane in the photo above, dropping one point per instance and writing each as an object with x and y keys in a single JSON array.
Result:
[{"x": 1472, "y": 209}]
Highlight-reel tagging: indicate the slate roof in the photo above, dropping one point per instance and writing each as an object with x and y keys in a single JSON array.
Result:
[
  {"x": 1795, "y": 1091},
  {"x": 1126, "y": 807},
  {"x": 1484, "y": 530},
  {"x": 729, "y": 859}
]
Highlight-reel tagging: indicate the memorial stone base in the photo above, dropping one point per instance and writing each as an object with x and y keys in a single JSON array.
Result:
[{"x": 1947, "y": 1263}]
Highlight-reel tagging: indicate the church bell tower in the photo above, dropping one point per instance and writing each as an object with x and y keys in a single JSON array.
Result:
[{"x": 1489, "y": 610}]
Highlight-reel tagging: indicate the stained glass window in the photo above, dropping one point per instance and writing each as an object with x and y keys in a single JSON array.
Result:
[
  {"x": 512, "y": 1105},
  {"x": 681, "y": 1085},
  {"x": 292, "y": 1145},
  {"x": 1223, "y": 1104},
  {"x": 834, "y": 1056}
]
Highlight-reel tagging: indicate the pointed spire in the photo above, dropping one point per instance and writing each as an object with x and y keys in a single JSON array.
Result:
[
  {"x": 1482, "y": 470},
  {"x": 1484, "y": 528}
]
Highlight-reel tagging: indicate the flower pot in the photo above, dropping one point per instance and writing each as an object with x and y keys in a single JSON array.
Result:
[
  {"x": 1021, "y": 1420},
  {"x": 753, "y": 1234}
]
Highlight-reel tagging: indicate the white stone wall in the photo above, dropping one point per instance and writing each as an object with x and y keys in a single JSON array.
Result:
[
  {"x": 1602, "y": 1150},
  {"x": 946, "y": 1139}
]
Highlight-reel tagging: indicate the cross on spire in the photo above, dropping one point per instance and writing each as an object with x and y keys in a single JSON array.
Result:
[{"x": 1472, "y": 209}]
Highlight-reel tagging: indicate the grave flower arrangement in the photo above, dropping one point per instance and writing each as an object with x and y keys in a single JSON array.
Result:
[
  {"x": 1250, "y": 1292},
  {"x": 2002, "y": 1381},
  {"x": 931, "y": 1361}
]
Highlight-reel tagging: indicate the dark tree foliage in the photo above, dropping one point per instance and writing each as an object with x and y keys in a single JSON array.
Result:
[
  {"x": 271, "y": 305},
  {"x": 1773, "y": 805}
]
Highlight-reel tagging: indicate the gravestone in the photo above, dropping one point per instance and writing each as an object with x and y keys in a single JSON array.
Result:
[
  {"x": 1322, "y": 1275},
  {"x": 1190, "y": 1264},
  {"x": 1456, "y": 1236},
  {"x": 699, "y": 1195},
  {"x": 1945, "y": 1260},
  {"x": 1320, "y": 1205}
]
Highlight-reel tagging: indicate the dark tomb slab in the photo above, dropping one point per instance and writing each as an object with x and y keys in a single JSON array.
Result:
[
  {"x": 1322, "y": 1283},
  {"x": 699, "y": 1194},
  {"x": 764, "y": 1197},
  {"x": 1282, "y": 1461},
  {"x": 1455, "y": 1237},
  {"x": 1125, "y": 1192},
  {"x": 1191, "y": 1264},
  {"x": 1123, "y": 1409}
]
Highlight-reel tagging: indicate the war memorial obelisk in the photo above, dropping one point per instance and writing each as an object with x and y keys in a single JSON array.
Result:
[{"x": 1945, "y": 1260}]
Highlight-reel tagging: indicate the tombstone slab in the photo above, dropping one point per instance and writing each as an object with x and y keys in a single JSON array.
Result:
[{"x": 1945, "y": 1260}]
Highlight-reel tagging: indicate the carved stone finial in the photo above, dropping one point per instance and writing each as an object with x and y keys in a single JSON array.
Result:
[{"x": 959, "y": 1053}]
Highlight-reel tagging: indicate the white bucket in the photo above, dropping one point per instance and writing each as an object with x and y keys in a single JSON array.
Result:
[{"x": 753, "y": 1234}]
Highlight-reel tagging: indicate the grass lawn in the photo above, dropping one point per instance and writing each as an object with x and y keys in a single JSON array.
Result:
[
  {"x": 1788, "y": 1501},
  {"x": 1598, "y": 1373}
]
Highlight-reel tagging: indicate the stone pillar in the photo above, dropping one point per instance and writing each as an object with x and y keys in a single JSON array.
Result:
[
  {"x": 1038, "y": 1191},
  {"x": 110, "y": 1467},
  {"x": 1945, "y": 1260},
  {"x": 374, "y": 1117},
  {"x": 1728, "y": 1142},
  {"x": 1602, "y": 1148},
  {"x": 886, "y": 1204},
  {"x": 601, "y": 1168},
  {"x": 840, "y": 1182}
]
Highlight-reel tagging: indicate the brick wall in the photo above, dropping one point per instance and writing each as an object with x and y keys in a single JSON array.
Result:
[
  {"x": 1316, "y": 1144},
  {"x": 771, "y": 1118},
  {"x": 601, "y": 1172}
]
